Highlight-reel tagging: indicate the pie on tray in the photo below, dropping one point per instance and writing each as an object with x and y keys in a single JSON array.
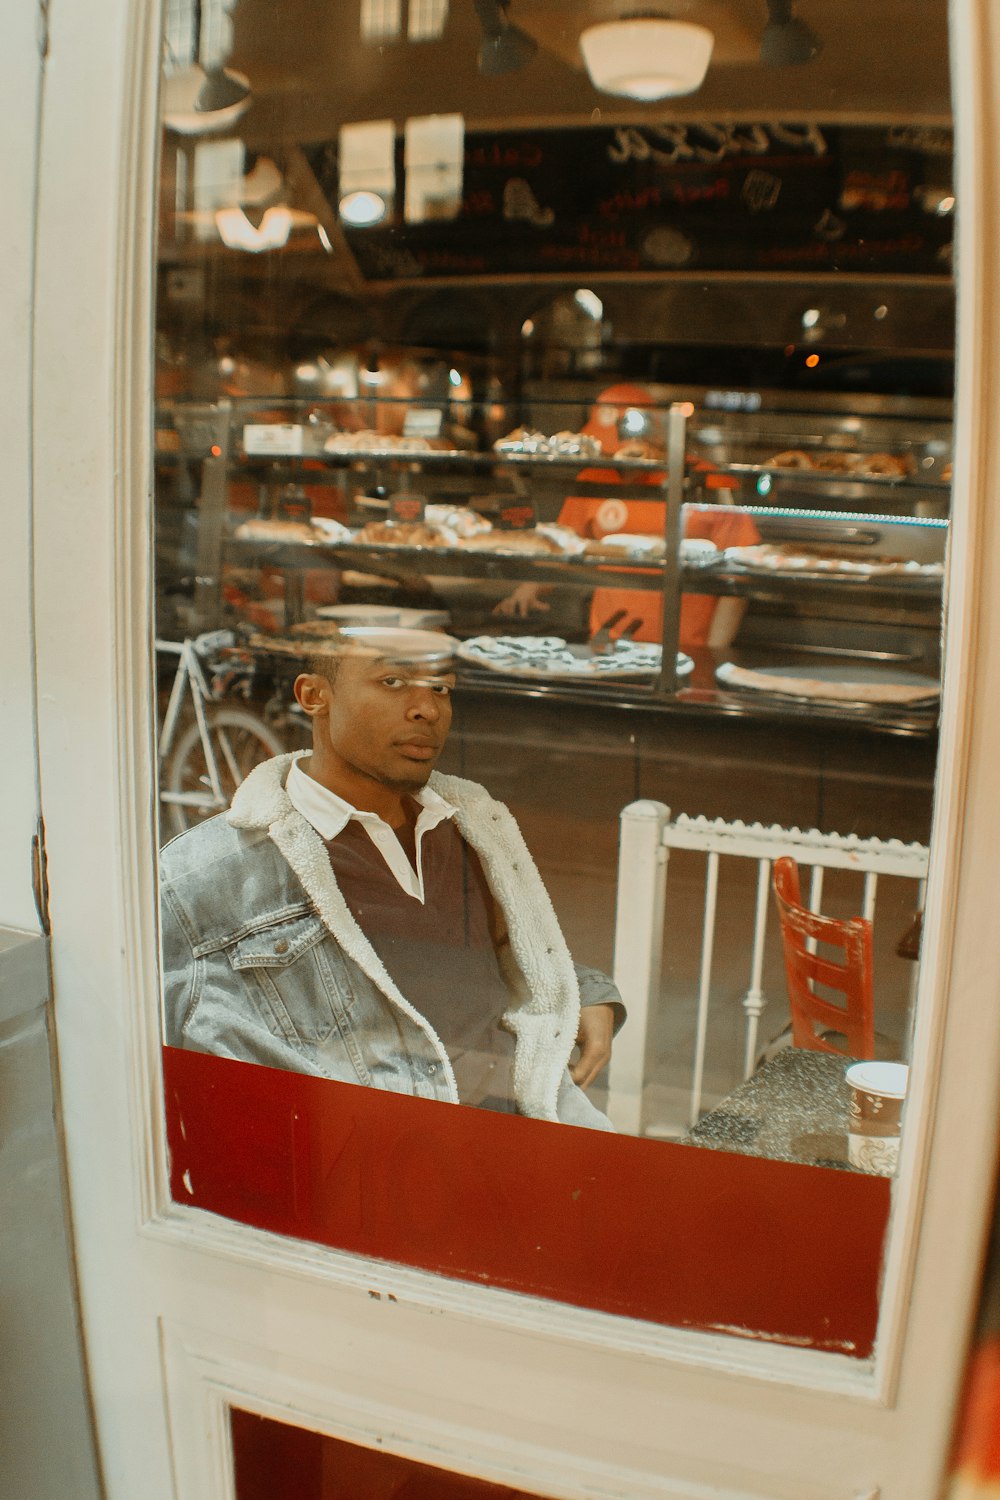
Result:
[
  {"x": 794, "y": 557},
  {"x": 549, "y": 656},
  {"x": 841, "y": 683}
]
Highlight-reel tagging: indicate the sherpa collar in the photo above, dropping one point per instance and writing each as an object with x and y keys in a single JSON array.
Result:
[{"x": 546, "y": 1020}]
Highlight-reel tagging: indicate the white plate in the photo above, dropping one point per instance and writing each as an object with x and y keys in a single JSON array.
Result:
[{"x": 385, "y": 614}]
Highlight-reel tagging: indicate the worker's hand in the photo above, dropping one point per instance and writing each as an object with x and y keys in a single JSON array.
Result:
[
  {"x": 526, "y": 599},
  {"x": 597, "y": 1026}
]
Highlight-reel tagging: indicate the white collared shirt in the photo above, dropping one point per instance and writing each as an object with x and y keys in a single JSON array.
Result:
[{"x": 330, "y": 814}]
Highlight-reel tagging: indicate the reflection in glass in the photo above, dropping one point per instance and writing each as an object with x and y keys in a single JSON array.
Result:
[
  {"x": 359, "y": 917},
  {"x": 633, "y": 441}
]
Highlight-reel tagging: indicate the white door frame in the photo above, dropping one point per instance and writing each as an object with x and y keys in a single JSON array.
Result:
[
  {"x": 178, "y": 1302},
  {"x": 20, "y": 107}
]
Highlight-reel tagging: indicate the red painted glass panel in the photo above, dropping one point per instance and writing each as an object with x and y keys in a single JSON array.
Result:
[{"x": 648, "y": 1229}]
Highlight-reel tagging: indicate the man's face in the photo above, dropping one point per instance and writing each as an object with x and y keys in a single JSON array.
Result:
[{"x": 388, "y": 719}]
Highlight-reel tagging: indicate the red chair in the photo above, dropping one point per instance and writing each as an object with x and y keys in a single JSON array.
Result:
[{"x": 812, "y": 1015}]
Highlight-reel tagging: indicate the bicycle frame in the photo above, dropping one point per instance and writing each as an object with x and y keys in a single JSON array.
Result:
[{"x": 191, "y": 678}]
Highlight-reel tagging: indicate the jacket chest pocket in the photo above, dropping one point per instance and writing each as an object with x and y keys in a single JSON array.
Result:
[{"x": 300, "y": 975}]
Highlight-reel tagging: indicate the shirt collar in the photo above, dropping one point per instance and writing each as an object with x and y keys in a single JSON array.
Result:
[{"x": 330, "y": 814}]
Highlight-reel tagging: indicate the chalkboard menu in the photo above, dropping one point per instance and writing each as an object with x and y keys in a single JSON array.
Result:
[{"x": 679, "y": 198}]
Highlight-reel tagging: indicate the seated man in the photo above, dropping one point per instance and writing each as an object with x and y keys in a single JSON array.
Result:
[{"x": 357, "y": 916}]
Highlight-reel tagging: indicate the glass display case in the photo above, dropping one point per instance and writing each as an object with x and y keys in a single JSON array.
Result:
[{"x": 670, "y": 556}]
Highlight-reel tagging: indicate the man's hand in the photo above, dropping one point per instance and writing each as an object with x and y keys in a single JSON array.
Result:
[
  {"x": 525, "y": 600},
  {"x": 597, "y": 1025}
]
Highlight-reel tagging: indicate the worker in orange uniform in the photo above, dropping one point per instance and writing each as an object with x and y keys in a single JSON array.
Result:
[{"x": 705, "y": 619}]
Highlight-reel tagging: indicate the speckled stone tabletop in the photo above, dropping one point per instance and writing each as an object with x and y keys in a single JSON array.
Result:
[{"x": 794, "y": 1108}]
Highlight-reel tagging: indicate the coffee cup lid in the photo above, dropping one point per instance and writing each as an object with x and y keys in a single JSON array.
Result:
[{"x": 888, "y": 1078}]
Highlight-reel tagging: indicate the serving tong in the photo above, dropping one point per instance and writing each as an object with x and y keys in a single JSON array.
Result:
[{"x": 601, "y": 643}]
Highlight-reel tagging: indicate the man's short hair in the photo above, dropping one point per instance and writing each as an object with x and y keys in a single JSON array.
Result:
[{"x": 324, "y": 661}]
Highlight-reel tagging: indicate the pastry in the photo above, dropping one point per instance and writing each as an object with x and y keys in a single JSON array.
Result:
[
  {"x": 562, "y": 444},
  {"x": 319, "y": 629},
  {"x": 522, "y": 440},
  {"x": 460, "y": 519},
  {"x": 639, "y": 543},
  {"x": 791, "y": 458},
  {"x": 261, "y": 529},
  {"x": 367, "y": 441},
  {"x": 513, "y": 541},
  {"x": 889, "y": 464},
  {"x": 565, "y": 538},
  {"x": 405, "y": 534},
  {"x": 332, "y": 531},
  {"x": 574, "y": 445},
  {"x": 640, "y": 448},
  {"x": 697, "y": 549}
]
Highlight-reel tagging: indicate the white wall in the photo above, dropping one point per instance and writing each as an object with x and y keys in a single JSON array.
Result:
[{"x": 20, "y": 82}]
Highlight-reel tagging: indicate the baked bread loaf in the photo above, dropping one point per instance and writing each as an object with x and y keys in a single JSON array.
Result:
[
  {"x": 263, "y": 529},
  {"x": 791, "y": 458},
  {"x": 367, "y": 441},
  {"x": 625, "y": 545},
  {"x": 405, "y": 534},
  {"x": 835, "y": 461},
  {"x": 640, "y": 448},
  {"x": 532, "y": 541},
  {"x": 889, "y": 464}
]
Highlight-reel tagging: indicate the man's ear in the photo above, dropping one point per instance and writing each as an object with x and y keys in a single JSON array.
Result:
[{"x": 312, "y": 693}]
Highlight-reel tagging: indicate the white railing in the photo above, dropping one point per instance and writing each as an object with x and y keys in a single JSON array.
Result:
[{"x": 647, "y": 835}]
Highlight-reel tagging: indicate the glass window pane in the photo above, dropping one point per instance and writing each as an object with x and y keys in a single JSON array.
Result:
[{"x": 552, "y": 504}]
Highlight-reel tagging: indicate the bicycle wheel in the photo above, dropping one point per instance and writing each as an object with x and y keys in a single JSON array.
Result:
[{"x": 240, "y": 740}]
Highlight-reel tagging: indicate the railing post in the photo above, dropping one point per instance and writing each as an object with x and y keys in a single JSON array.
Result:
[
  {"x": 755, "y": 1001},
  {"x": 642, "y": 870}
]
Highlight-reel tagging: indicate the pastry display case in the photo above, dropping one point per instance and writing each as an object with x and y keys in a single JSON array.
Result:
[{"x": 287, "y": 518}]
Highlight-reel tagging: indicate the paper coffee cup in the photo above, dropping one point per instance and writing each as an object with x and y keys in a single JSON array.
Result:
[{"x": 876, "y": 1107}]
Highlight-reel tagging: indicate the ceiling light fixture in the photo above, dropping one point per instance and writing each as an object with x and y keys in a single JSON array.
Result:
[
  {"x": 222, "y": 89},
  {"x": 505, "y": 48},
  {"x": 190, "y": 98},
  {"x": 647, "y": 57},
  {"x": 236, "y": 230},
  {"x": 363, "y": 208},
  {"x": 202, "y": 96},
  {"x": 787, "y": 42}
]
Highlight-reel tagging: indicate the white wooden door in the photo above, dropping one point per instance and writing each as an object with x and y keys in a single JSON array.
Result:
[{"x": 186, "y": 1314}]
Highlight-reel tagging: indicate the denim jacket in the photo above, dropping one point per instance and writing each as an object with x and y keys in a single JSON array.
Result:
[{"x": 263, "y": 961}]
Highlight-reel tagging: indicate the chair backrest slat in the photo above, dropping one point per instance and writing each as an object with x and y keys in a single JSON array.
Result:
[{"x": 854, "y": 1018}]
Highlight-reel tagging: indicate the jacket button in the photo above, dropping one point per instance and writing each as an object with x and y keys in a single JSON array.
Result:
[{"x": 281, "y": 946}]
